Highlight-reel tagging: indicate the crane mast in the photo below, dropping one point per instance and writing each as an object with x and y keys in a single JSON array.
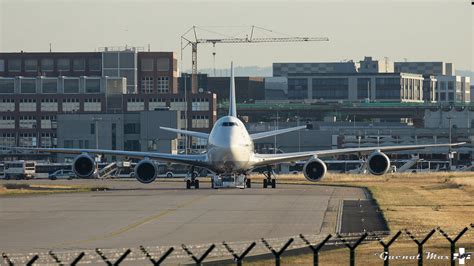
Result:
[{"x": 193, "y": 42}]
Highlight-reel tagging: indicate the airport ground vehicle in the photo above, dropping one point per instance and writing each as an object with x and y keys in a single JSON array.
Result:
[
  {"x": 19, "y": 169},
  {"x": 62, "y": 174}
]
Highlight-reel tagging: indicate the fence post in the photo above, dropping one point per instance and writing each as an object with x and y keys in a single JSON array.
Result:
[
  {"x": 161, "y": 259},
  {"x": 452, "y": 242},
  {"x": 315, "y": 248},
  {"x": 5, "y": 257},
  {"x": 35, "y": 258},
  {"x": 275, "y": 253},
  {"x": 420, "y": 244},
  {"x": 352, "y": 247},
  {"x": 203, "y": 256},
  {"x": 238, "y": 259},
  {"x": 386, "y": 246},
  {"x": 107, "y": 261},
  {"x": 78, "y": 258}
]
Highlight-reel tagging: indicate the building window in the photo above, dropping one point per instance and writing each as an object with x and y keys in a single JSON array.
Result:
[
  {"x": 163, "y": 84},
  {"x": 28, "y": 85},
  {"x": 147, "y": 64},
  {"x": 200, "y": 104},
  {"x": 79, "y": 64},
  {"x": 7, "y": 105},
  {"x": 14, "y": 65},
  {"x": 8, "y": 139},
  {"x": 50, "y": 85},
  {"x": 163, "y": 64},
  {"x": 200, "y": 121},
  {"x": 63, "y": 64},
  {"x": 390, "y": 88},
  {"x": 92, "y": 85},
  {"x": 147, "y": 85},
  {"x": 71, "y": 85},
  {"x": 7, "y": 85},
  {"x": 27, "y": 140},
  {"x": 31, "y": 65},
  {"x": 2, "y": 65},
  {"x": 47, "y": 65},
  {"x": 297, "y": 89},
  {"x": 7, "y": 122},
  {"x": 331, "y": 88},
  {"x": 95, "y": 64},
  {"x": 27, "y": 122}
]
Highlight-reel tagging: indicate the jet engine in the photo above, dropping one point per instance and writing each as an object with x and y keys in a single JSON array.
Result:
[
  {"x": 84, "y": 166},
  {"x": 146, "y": 171},
  {"x": 314, "y": 170},
  {"x": 378, "y": 163}
]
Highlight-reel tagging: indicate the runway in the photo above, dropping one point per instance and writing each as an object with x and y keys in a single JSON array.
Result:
[{"x": 165, "y": 213}]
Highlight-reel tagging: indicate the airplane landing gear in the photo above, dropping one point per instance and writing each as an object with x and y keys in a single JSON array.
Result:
[
  {"x": 269, "y": 180},
  {"x": 248, "y": 182},
  {"x": 193, "y": 181}
]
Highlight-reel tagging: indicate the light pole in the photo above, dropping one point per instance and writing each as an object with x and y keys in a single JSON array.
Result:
[
  {"x": 185, "y": 113},
  {"x": 450, "y": 155}
]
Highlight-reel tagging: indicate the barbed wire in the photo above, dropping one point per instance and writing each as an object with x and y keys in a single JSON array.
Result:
[{"x": 225, "y": 250}]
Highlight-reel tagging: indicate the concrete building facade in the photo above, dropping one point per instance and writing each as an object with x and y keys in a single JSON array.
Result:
[
  {"x": 37, "y": 87},
  {"x": 126, "y": 131},
  {"x": 390, "y": 87}
]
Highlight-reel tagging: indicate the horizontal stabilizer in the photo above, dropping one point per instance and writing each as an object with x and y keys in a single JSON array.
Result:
[
  {"x": 187, "y": 132},
  {"x": 275, "y": 132}
]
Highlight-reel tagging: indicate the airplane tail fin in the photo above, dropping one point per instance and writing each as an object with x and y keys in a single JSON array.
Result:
[{"x": 232, "y": 100}]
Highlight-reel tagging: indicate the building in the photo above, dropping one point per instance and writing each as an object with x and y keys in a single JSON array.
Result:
[
  {"x": 37, "y": 87},
  {"x": 286, "y": 69},
  {"x": 382, "y": 87},
  {"x": 452, "y": 89},
  {"x": 368, "y": 65},
  {"x": 441, "y": 77},
  {"x": 126, "y": 131},
  {"x": 247, "y": 89},
  {"x": 146, "y": 72},
  {"x": 425, "y": 68}
]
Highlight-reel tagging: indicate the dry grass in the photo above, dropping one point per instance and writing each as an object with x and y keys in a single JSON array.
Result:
[
  {"x": 36, "y": 189},
  {"x": 416, "y": 201}
]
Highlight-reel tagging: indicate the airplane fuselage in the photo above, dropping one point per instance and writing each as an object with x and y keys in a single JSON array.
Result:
[{"x": 230, "y": 148}]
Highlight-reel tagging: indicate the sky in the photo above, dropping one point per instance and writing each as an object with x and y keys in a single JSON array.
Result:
[{"x": 419, "y": 30}]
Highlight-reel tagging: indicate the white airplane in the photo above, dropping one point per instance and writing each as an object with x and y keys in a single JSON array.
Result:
[{"x": 230, "y": 152}]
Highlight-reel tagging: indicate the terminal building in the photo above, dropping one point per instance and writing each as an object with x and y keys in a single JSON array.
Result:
[
  {"x": 369, "y": 79},
  {"x": 35, "y": 88}
]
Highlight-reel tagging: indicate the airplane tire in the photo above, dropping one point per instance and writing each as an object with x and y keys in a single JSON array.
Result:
[
  {"x": 188, "y": 184},
  {"x": 248, "y": 183},
  {"x": 196, "y": 184},
  {"x": 273, "y": 183},
  {"x": 265, "y": 183}
]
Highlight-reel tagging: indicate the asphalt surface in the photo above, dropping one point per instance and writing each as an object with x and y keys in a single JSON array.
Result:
[
  {"x": 362, "y": 216},
  {"x": 165, "y": 213}
]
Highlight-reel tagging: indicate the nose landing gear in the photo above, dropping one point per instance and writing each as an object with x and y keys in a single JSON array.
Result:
[{"x": 193, "y": 181}]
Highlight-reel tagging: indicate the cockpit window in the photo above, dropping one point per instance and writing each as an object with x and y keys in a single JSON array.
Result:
[{"x": 229, "y": 124}]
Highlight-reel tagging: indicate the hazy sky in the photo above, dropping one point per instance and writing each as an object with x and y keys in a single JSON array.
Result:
[{"x": 419, "y": 30}]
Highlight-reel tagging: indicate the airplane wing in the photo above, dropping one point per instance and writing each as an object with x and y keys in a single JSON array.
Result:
[
  {"x": 267, "y": 159},
  {"x": 192, "y": 159},
  {"x": 187, "y": 132},
  {"x": 274, "y": 132}
]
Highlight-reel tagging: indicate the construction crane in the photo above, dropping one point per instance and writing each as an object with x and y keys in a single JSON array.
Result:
[{"x": 249, "y": 38}]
